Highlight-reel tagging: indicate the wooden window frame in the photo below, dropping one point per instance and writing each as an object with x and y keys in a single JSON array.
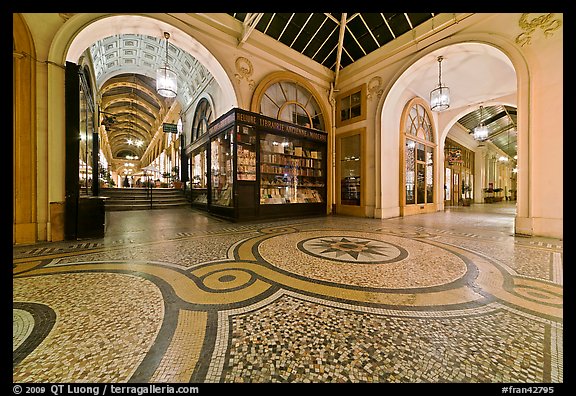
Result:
[
  {"x": 352, "y": 210},
  {"x": 350, "y": 92},
  {"x": 418, "y": 207}
]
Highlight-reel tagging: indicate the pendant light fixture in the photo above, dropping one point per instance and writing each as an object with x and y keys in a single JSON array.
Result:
[
  {"x": 481, "y": 130},
  {"x": 440, "y": 96},
  {"x": 166, "y": 81}
]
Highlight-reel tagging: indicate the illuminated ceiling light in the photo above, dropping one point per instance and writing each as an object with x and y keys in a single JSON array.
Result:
[
  {"x": 440, "y": 96},
  {"x": 481, "y": 131},
  {"x": 134, "y": 142},
  {"x": 166, "y": 81}
]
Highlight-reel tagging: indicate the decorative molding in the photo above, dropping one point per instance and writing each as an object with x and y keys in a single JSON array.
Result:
[
  {"x": 544, "y": 22},
  {"x": 245, "y": 69},
  {"x": 66, "y": 15},
  {"x": 375, "y": 88}
]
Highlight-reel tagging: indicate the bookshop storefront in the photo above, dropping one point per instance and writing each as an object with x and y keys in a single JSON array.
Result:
[{"x": 260, "y": 167}]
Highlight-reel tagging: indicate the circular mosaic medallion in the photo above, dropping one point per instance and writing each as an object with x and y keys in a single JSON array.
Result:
[
  {"x": 362, "y": 258},
  {"x": 352, "y": 250}
]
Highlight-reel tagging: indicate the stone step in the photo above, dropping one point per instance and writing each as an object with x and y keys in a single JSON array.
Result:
[
  {"x": 138, "y": 191},
  {"x": 142, "y": 206},
  {"x": 139, "y": 198}
]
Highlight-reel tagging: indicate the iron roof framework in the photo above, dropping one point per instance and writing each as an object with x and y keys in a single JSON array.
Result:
[
  {"x": 334, "y": 40},
  {"x": 501, "y": 123}
]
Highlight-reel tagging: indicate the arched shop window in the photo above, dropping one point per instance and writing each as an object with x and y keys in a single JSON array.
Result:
[
  {"x": 418, "y": 155},
  {"x": 202, "y": 118},
  {"x": 198, "y": 158},
  {"x": 292, "y": 102}
]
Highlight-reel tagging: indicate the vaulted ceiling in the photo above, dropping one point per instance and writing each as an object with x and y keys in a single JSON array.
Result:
[
  {"x": 132, "y": 109},
  {"x": 125, "y": 67}
]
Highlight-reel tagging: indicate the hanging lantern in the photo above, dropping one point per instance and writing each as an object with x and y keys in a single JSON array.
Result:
[
  {"x": 481, "y": 130},
  {"x": 440, "y": 96},
  {"x": 166, "y": 80}
]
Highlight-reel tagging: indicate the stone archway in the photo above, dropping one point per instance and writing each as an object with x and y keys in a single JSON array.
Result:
[
  {"x": 401, "y": 89},
  {"x": 71, "y": 41}
]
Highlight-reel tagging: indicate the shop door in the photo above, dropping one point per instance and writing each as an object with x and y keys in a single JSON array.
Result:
[{"x": 455, "y": 188}]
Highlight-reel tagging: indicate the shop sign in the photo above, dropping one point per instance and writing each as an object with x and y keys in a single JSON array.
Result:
[
  {"x": 454, "y": 156},
  {"x": 169, "y": 128}
]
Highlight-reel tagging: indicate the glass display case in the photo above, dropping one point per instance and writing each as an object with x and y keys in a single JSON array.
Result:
[
  {"x": 291, "y": 171},
  {"x": 221, "y": 168},
  {"x": 260, "y": 167},
  {"x": 350, "y": 171},
  {"x": 198, "y": 180},
  {"x": 246, "y": 153}
]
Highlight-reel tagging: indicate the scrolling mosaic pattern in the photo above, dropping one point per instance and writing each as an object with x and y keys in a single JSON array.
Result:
[{"x": 293, "y": 303}]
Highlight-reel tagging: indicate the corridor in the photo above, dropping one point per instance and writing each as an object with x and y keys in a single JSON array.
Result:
[{"x": 173, "y": 295}]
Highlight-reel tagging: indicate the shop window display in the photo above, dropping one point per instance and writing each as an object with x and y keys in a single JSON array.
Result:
[
  {"x": 291, "y": 171},
  {"x": 263, "y": 167}
]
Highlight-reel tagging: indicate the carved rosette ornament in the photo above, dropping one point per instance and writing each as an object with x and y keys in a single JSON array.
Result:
[
  {"x": 375, "y": 88},
  {"x": 545, "y": 22},
  {"x": 244, "y": 71}
]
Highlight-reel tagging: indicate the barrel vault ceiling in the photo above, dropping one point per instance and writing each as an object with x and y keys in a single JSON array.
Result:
[{"x": 125, "y": 67}]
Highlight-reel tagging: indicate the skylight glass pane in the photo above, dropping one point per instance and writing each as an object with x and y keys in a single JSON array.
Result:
[
  {"x": 277, "y": 25},
  {"x": 382, "y": 34},
  {"x": 418, "y": 18},
  {"x": 351, "y": 46},
  {"x": 398, "y": 23},
  {"x": 289, "y": 34},
  {"x": 321, "y": 36},
  {"x": 263, "y": 22}
]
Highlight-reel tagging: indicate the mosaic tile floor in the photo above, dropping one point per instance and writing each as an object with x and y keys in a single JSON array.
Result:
[{"x": 177, "y": 296}]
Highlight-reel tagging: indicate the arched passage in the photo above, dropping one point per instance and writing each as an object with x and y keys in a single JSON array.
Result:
[
  {"x": 101, "y": 26},
  {"x": 74, "y": 37},
  {"x": 419, "y": 76}
]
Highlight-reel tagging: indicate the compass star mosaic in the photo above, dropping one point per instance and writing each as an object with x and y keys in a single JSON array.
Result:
[{"x": 348, "y": 249}]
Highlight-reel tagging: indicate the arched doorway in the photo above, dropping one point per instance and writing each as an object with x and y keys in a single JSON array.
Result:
[
  {"x": 420, "y": 76},
  {"x": 24, "y": 211},
  {"x": 417, "y": 159},
  {"x": 77, "y": 34}
]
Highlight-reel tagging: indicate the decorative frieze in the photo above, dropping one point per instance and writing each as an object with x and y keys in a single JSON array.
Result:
[
  {"x": 375, "y": 88},
  {"x": 244, "y": 70},
  {"x": 547, "y": 23}
]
